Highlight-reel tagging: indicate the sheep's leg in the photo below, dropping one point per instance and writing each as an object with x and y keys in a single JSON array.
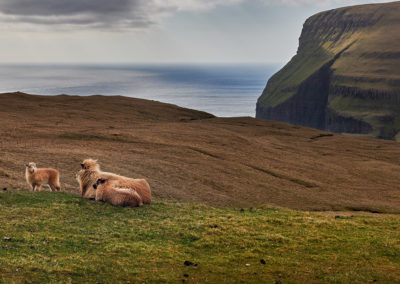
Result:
[
  {"x": 55, "y": 187},
  {"x": 99, "y": 197}
]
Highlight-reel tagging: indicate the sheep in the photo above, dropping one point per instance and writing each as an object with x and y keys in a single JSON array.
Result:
[
  {"x": 86, "y": 177},
  {"x": 37, "y": 177},
  {"x": 90, "y": 172},
  {"x": 107, "y": 191}
]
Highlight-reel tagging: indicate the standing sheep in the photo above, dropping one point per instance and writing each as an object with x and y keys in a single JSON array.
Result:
[
  {"x": 37, "y": 177},
  {"x": 118, "y": 196},
  {"x": 90, "y": 172}
]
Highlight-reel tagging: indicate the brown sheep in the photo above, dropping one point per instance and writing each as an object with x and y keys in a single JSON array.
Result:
[
  {"x": 37, "y": 177},
  {"x": 90, "y": 173},
  {"x": 118, "y": 196}
]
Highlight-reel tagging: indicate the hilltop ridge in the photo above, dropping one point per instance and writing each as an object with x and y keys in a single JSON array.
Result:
[
  {"x": 193, "y": 156},
  {"x": 345, "y": 76}
]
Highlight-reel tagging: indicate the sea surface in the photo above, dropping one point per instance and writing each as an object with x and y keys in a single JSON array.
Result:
[{"x": 223, "y": 90}]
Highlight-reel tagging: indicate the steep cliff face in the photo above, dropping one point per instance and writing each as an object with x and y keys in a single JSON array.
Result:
[{"x": 345, "y": 76}]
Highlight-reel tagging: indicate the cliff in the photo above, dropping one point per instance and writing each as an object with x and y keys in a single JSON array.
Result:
[{"x": 345, "y": 76}]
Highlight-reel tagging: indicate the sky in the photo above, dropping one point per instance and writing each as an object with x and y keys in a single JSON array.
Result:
[{"x": 155, "y": 31}]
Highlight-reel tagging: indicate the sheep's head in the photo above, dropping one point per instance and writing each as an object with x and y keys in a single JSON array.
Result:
[
  {"x": 90, "y": 165},
  {"x": 31, "y": 167},
  {"x": 98, "y": 182}
]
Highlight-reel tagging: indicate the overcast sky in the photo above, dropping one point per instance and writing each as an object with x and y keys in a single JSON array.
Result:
[{"x": 103, "y": 31}]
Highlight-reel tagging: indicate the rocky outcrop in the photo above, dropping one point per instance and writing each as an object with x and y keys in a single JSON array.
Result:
[{"x": 345, "y": 76}]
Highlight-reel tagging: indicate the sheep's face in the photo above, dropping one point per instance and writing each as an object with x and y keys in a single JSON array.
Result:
[
  {"x": 31, "y": 167},
  {"x": 90, "y": 165},
  {"x": 99, "y": 182}
]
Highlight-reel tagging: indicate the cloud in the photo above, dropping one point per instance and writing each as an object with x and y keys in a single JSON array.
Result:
[
  {"x": 84, "y": 13},
  {"x": 324, "y": 2},
  {"x": 118, "y": 14},
  {"x": 195, "y": 5},
  {"x": 106, "y": 14}
]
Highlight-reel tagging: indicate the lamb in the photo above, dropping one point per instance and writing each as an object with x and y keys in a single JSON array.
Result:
[
  {"x": 37, "y": 177},
  {"x": 90, "y": 172},
  {"x": 107, "y": 191}
]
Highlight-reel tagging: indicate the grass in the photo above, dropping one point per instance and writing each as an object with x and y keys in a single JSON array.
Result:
[
  {"x": 284, "y": 84},
  {"x": 371, "y": 111},
  {"x": 52, "y": 237}
]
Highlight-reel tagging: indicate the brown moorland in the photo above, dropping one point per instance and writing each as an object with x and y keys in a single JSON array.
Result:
[{"x": 193, "y": 156}]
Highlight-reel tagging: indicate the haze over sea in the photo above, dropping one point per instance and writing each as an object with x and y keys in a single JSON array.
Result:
[{"x": 223, "y": 90}]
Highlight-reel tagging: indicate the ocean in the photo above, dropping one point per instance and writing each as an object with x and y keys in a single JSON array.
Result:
[{"x": 223, "y": 90}]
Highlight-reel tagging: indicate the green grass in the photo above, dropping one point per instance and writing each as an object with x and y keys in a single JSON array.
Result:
[
  {"x": 283, "y": 85},
  {"x": 61, "y": 237},
  {"x": 370, "y": 111}
]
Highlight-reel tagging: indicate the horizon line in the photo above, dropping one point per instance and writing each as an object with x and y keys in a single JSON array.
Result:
[{"x": 145, "y": 63}]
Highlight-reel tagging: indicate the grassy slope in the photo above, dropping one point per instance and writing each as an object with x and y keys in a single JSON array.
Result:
[
  {"x": 372, "y": 63},
  {"x": 376, "y": 52},
  {"x": 191, "y": 156},
  {"x": 283, "y": 85},
  {"x": 61, "y": 237}
]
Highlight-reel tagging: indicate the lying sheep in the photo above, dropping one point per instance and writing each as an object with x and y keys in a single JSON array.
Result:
[
  {"x": 37, "y": 177},
  {"x": 86, "y": 177},
  {"x": 107, "y": 191},
  {"x": 90, "y": 172}
]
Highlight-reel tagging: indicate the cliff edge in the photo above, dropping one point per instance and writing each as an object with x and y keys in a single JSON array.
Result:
[{"x": 345, "y": 76}]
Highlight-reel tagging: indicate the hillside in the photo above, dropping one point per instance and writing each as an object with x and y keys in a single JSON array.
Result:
[
  {"x": 345, "y": 76},
  {"x": 192, "y": 156},
  {"x": 59, "y": 237}
]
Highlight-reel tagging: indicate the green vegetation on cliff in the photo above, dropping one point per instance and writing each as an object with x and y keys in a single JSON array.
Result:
[
  {"x": 360, "y": 48},
  {"x": 58, "y": 237}
]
